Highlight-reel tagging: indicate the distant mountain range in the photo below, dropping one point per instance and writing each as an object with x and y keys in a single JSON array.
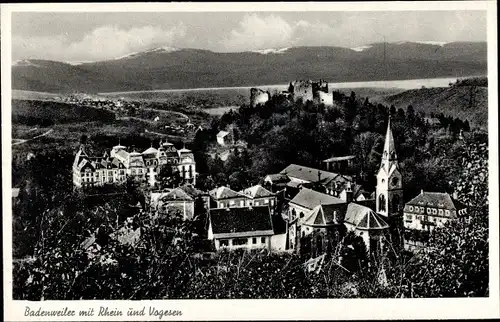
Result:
[{"x": 173, "y": 68}]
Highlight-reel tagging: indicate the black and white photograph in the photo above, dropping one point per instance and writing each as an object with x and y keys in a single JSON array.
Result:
[{"x": 321, "y": 153}]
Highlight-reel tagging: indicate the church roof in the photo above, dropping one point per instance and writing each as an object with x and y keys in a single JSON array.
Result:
[
  {"x": 309, "y": 199},
  {"x": 364, "y": 218},
  {"x": 257, "y": 191},
  {"x": 326, "y": 215},
  {"x": 436, "y": 200}
]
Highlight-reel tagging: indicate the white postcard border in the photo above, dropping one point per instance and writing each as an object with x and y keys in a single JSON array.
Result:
[{"x": 264, "y": 309}]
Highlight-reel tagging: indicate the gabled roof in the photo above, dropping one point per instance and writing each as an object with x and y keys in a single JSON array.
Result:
[
  {"x": 436, "y": 200},
  {"x": 225, "y": 193},
  {"x": 222, "y": 134},
  {"x": 176, "y": 194},
  {"x": 241, "y": 222},
  {"x": 309, "y": 199},
  {"x": 364, "y": 218},
  {"x": 257, "y": 191}
]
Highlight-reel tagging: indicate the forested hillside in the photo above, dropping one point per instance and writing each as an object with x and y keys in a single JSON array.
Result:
[
  {"x": 282, "y": 132},
  {"x": 466, "y": 99}
]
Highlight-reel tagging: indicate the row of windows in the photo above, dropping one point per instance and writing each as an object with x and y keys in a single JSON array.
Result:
[
  {"x": 97, "y": 173},
  {"x": 248, "y": 203},
  {"x": 241, "y": 241},
  {"x": 429, "y": 211},
  {"x": 410, "y": 218}
]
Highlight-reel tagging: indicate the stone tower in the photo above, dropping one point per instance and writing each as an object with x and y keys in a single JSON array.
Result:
[{"x": 389, "y": 191}]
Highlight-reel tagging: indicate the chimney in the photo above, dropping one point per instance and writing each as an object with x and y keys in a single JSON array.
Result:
[{"x": 421, "y": 191}]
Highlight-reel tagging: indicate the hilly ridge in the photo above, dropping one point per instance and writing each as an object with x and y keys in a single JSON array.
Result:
[{"x": 164, "y": 68}]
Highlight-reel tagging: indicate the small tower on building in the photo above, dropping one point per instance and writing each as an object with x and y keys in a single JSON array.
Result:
[{"x": 389, "y": 190}]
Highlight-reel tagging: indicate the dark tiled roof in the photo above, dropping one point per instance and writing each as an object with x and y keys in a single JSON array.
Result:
[
  {"x": 436, "y": 200},
  {"x": 237, "y": 221},
  {"x": 309, "y": 199}
]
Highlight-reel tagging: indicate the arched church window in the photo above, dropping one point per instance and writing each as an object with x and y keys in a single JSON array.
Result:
[{"x": 381, "y": 203}]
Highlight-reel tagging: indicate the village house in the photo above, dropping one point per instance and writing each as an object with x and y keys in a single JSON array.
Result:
[
  {"x": 171, "y": 201},
  {"x": 259, "y": 196},
  {"x": 241, "y": 228},
  {"x": 429, "y": 210},
  {"x": 276, "y": 182},
  {"x": 90, "y": 171},
  {"x": 225, "y": 197}
]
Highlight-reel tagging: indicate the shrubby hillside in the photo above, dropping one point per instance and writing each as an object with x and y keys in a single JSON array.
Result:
[{"x": 467, "y": 99}]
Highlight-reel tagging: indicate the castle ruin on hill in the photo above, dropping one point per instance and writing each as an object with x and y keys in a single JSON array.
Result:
[{"x": 306, "y": 90}]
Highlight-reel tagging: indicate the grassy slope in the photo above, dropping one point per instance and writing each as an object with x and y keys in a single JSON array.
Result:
[{"x": 452, "y": 101}]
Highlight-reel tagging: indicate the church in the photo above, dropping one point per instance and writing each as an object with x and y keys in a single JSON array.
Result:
[{"x": 317, "y": 221}]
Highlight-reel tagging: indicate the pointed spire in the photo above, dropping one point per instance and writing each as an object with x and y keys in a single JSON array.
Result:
[{"x": 389, "y": 148}]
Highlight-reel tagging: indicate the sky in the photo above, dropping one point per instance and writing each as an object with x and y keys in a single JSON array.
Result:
[{"x": 95, "y": 36}]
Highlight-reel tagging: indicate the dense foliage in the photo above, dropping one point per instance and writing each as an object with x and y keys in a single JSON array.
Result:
[{"x": 281, "y": 132}]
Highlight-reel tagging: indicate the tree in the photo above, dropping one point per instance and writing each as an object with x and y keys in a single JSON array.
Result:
[{"x": 169, "y": 176}]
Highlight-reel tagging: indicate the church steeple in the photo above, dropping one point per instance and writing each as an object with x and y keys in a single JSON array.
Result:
[
  {"x": 389, "y": 189},
  {"x": 389, "y": 153}
]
